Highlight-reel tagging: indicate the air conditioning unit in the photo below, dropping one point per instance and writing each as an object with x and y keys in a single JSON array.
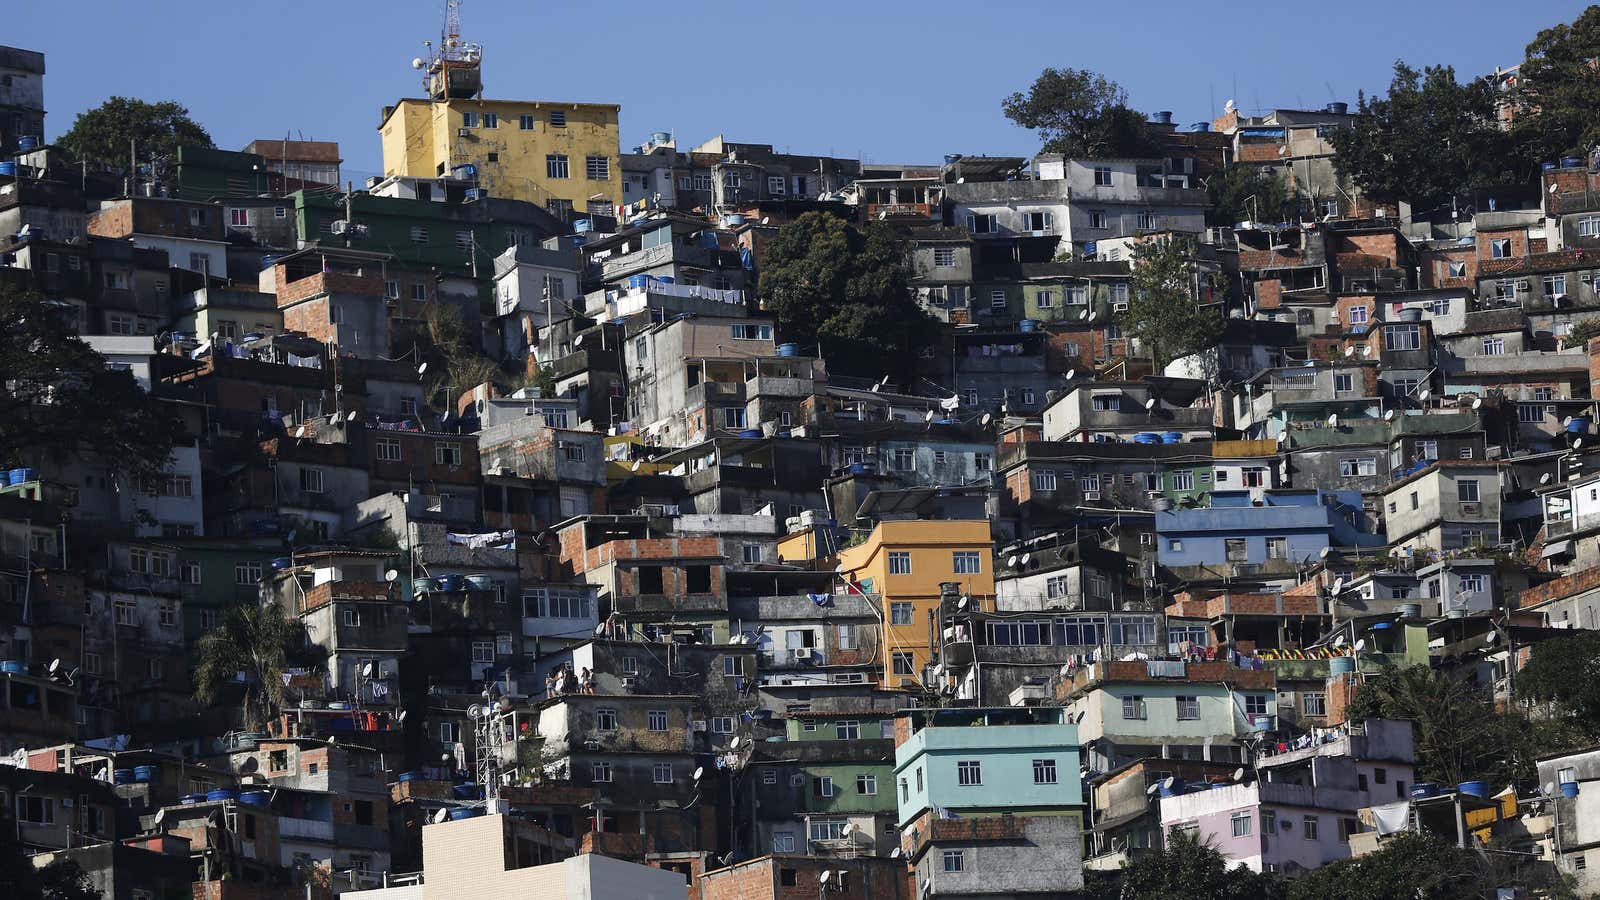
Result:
[
  {"x": 628, "y": 681},
  {"x": 804, "y": 652},
  {"x": 463, "y": 132},
  {"x": 1472, "y": 509},
  {"x": 340, "y": 226},
  {"x": 699, "y": 725},
  {"x": 1091, "y": 495}
]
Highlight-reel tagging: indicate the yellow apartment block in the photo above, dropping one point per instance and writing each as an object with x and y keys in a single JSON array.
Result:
[
  {"x": 905, "y": 562},
  {"x": 561, "y": 156}
]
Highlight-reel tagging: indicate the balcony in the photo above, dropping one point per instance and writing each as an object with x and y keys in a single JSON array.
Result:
[
  {"x": 1143, "y": 196},
  {"x": 290, "y": 828},
  {"x": 709, "y": 392},
  {"x": 775, "y": 386},
  {"x": 877, "y": 212},
  {"x": 668, "y": 603}
]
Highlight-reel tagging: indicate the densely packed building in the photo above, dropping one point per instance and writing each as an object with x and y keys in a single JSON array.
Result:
[{"x": 680, "y": 610}]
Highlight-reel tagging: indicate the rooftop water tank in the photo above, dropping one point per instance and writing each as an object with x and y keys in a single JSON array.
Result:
[
  {"x": 1164, "y": 117},
  {"x": 1341, "y": 665},
  {"x": 1147, "y": 437},
  {"x": 28, "y": 142},
  {"x": 8, "y": 168},
  {"x": 1338, "y": 107},
  {"x": 788, "y": 349},
  {"x": 660, "y": 137}
]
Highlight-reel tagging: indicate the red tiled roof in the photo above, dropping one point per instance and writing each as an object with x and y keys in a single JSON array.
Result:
[{"x": 1538, "y": 262}]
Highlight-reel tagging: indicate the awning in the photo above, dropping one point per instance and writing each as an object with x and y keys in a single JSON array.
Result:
[{"x": 1556, "y": 548}]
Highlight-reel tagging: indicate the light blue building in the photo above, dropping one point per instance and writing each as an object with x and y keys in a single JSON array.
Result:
[
  {"x": 1288, "y": 528},
  {"x": 974, "y": 760}
]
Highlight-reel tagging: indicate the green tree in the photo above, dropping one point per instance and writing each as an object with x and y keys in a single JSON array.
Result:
[
  {"x": 1162, "y": 313},
  {"x": 1187, "y": 869},
  {"x": 1406, "y": 867},
  {"x": 59, "y": 401},
  {"x": 256, "y": 640},
  {"x": 1581, "y": 333},
  {"x": 124, "y": 125},
  {"x": 60, "y": 880},
  {"x": 1081, "y": 114},
  {"x": 1558, "y": 88},
  {"x": 1458, "y": 733},
  {"x": 1566, "y": 671},
  {"x": 1245, "y": 192},
  {"x": 1429, "y": 138},
  {"x": 846, "y": 288}
]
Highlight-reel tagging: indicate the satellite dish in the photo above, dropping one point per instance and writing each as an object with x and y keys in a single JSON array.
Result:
[
  {"x": 1338, "y": 586},
  {"x": 55, "y": 665},
  {"x": 825, "y": 877},
  {"x": 474, "y": 711},
  {"x": 600, "y": 629},
  {"x": 366, "y": 671},
  {"x": 1083, "y": 314},
  {"x": 353, "y": 416},
  {"x": 1388, "y": 415},
  {"x": 417, "y": 63},
  {"x": 400, "y": 716},
  {"x": 1350, "y": 350},
  {"x": 1576, "y": 443},
  {"x": 1169, "y": 782},
  {"x": 160, "y": 814},
  {"x": 422, "y": 369},
  {"x": 1550, "y": 786},
  {"x": 1361, "y": 645},
  {"x": 734, "y": 744},
  {"x": 289, "y": 538},
  {"x": 1333, "y": 421},
  {"x": 1566, "y": 422},
  {"x": 1071, "y": 373},
  {"x": 1477, "y": 402},
  {"x": 895, "y": 853},
  {"x": 578, "y": 341},
  {"x": 441, "y": 815},
  {"x": 1491, "y": 637},
  {"x": 1545, "y": 478},
  {"x": 1011, "y": 562},
  {"x": 1338, "y": 640},
  {"x": 1151, "y": 790},
  {"x": 928, "y": 417},
  {"x": 1150, "y": 404},
  {"x": 1425, "y": 395},
  {"x": 1323, "y": 553},
  {"x": 986, "y": 420},
  {"x": 1238, "y": 774},
  {"x": 391, "y": 575},
  {"x": 962, "y": 604},
  {"x": 1025, "y": 558},
  {"x": 635, "y": 466},
  {"x": 699, "y": 772}
]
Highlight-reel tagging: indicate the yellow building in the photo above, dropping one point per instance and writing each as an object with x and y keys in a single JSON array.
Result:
[
  {"x": 904, "y": 563},
  {"x": 561, "y": 156}
]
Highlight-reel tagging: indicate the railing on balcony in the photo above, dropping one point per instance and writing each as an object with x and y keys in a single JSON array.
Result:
[{"x": 304, "y": 829}]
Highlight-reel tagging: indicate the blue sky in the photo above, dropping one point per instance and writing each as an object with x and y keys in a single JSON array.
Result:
[{"x": 889, "y": 80}]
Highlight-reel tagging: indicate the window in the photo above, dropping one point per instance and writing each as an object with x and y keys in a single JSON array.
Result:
[
  {"x": 483, "y": 651},
  {"x": 469, "y": 119},
  {"x": 1500, "y": 248},
  {"x": 447, "y": 453},
  {"x": 1494, "y": 346},
  {"x": 1028, "y": 396},
  {"x": 168, "y": 614},
  {"x": 597, "y": 167},
  {"x": 558, "y": 118},
  {"x": 1044, "y": 479},
  {"x": 944, "y": 257},
  {"x": 867, "y": 785},
  {"x": 981, "y": 223},
  {"x": 1428, "y": 449},
  {"x": 491, "y": 120},
  {"x": 733, "y": 417},
  {"x": 1456, "y": 269},
  {"x": 600, "y": 772},
  {"x": 1308, "y": 828},
  {"x": 955, "y": 860},
  {"x": 732, "y": 181},
  {"x": 238, "y": 217},
  {"x": 1402, "y": 337},
  {"x": 966, "y": 562},
  {"x": 1175, "y": 545},
  {"x": 900, "y": 613},
  {"x": 36, "y": 810},
  {"x": 782, "y": 841},
  {"x": 1188, "y": 708},
  {"x": 388, "y": 449},
  {"x": 969, "y": 772},
  {"x": 1351, "y": 468},
  {"x": 1555, "y": 284},
  {"x": 311, "y": 481},
  {"x": 1181, "y": 481},
  {"x": 1097, "y": 218},
  {"x": 1255, "y": 704},
  {"x": 1358, "y": 315},
  {"x": 752, "y": 332},
  {"x": 827, "y": 829},
  {"x": 525, "y": 123},
  {"x": 605, "y": 720},
  {"x": 662, "y": 773},
  {"x": 997, "y": 299},
  {"x": 1145, "y": 221},
  {"x": 899, "y": 562},
  {"x": 1314, "y": 703},
  {"x": 351, "y": 618},
  {"x": 1471, "y": 584},
  {"x": 1467, "y": 490},
  {"x": 1036, "y": 221},
  {"x": 1241, "y": 824},
  {"x": 419, "y": 234},
  {"x": 1102, "y": 176},
  {"x": 822, "y": 787},
  {"x": 555, "y": 165},
  {"x": 1133, "y": 707},
  {"x": 658, "y": 719},
  {"x": 1044, "y": 771},
  {"x": 903, "y": 459},
  {"x": 1106, "y": 402},
  {"x": 903, "y": 664},
  {"x": 91, "y": 663},
  {"x": 1343, "y": 383},
  {"x": 1044, "y": 299},
  {"x": 124, "y": 610}
]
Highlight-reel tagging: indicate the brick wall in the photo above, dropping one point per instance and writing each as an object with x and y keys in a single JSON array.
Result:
[
  {"x": 1385, "y": 246},
  {"x": 113, "y": 222},
  {"x": 1436, "y": 268},
  {"x": 1343, "y": 306},
  {"x": 869, "y": 878},
  {"x": 1269, "y": 293},
  {"x": 1519, "y": 242},
  {"x": 1588, "y": 579}
]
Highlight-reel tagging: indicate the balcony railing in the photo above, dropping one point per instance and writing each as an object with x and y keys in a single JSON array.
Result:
[{"x": 305, "y": 829}]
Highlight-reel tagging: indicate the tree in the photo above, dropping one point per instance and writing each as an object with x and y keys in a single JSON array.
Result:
[
  {"x": 846, "y": 288},
  {"x": 256, "y": 640},
  {"x": 1081, "y": 114},
  {"x": 62, "y": 879},
  {"x": 59, "y": 401},
  {"x": 1581, "y": 333},
  {"x": 1405, "y": 867},
  {"x": 1458, "y": 733},
  {"x": 1428, "y": 139},
  {"x": 1566, "y": 671},
  {"x": 1558, "y": 90},
  {"x": 1162, "y": 313},
  {"x": 1187, "y": 869},
  {"x": 1245, "y": 192},
  {"x": 125, "y": 125}
]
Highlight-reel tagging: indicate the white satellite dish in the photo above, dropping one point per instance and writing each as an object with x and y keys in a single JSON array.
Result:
[
  {"x": 1491, "y": 637},
  {"x": 1151, "y": 790},
  {"x": 160, "y": 814},
  {"x": 1350, "y": 350},
  {"x": 1025, "y": 558},
  {"x": 474, "y": 711},
  {"x": 699, "y": 772},
  {"x": 366, "y": 671},
  {"x": 1071, "y": 373},
  {"x": 1545, "y": 478},
  {"x": 1550, "y": 786},
  {"x": 417, "y": 63},
  {"x": 734, "y": 744},
  {"x": 600, "y": 629},
  {"x": 635, "y": 466},
  {"x": 895, "y": 853},
  {"x": 1083, "y": 315},
  {"x": 55, "y": 665},
  {"x": 1169, "y": 782},
  {"x": 1011, "y": 562},
  {"x": 1338, "y": 640},
  {"x": 422, "y": 369},
  {"x": 1425, "y": 395},
  {"x": 1238, "y": 774},
  {"x": 825, "y": 877},
  {"x": 1338, "y": 586},
  {"x": 1361, "y": 645},
  {"x": 1333, "y": 421},
  {"x": 1576, "y": 443},
  {"x": 986, "y": 420},
  {"x": 400, "y": 716},
  {"x": 1477, "y": 402},
  {"x": 1150, "y": 404},
  {"x": 441, "y": 815},
  {"x": 1566, "y": 422},
  {"x": 1323, "y": 553},
  {"x": 353, "y": 416},
  {"x": 391, "y": 575},
  {"x": 928, "y": 416},
  {"x": 1388, "y": 415}
]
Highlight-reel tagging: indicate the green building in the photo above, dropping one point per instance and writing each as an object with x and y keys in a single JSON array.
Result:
[{"x": 827, "y": 788}]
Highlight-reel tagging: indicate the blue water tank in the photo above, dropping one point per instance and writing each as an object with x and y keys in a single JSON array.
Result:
[
  {"x": 1547, "y": 166},
  {"x": 1028, "y": 325},
  {"x": 1569, "y": 789},
  {"x": 409, "y": 776},
  {"x": 1341, "y": 665},
  {"x": 638, "y": 281},
  {"x": 424, "y": 585},
  {"x": 665, "y": 279},
  {"x": 28, "y": 142},
  {"x": 470, "y": 790},
  {"x": 1171, "y": 437},
  {"x": 582, "y": 226},
  {"x": 191, "y": 799},
  {"x": 449, "y": 583},
  {"x": 465, "y": 171},
  {"x": 465, "y": 812},
  {"x": 23, "y": 476},
  {"x": 750, "y": 433},
  {"x": 1200, "y": 126},
  {"x": 1147, "y": 437},
  {"x": 1474, "y": 788},
  {"x": 1423, "y": 790},
  {"x": 479, "y": 583},
  {"x": 788, "y": 349},
  {"x": 146, "y": 774},
  {"x": 255, "y": 798},
  {"x": 8, "y": 168},
  {"x": 222, "y": 794},
  {"x": 122, "y": 776},
  {"x": 1567, "y": 162},
  {"x": 281, "y": 562},
  {"x": 734, "y": 220},
  {"x": 1578, "y": 426},
  {"x": 477, "y": 194}
]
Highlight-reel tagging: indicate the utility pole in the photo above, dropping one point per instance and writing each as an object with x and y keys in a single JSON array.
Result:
[{"x": 349, "y": 223}]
